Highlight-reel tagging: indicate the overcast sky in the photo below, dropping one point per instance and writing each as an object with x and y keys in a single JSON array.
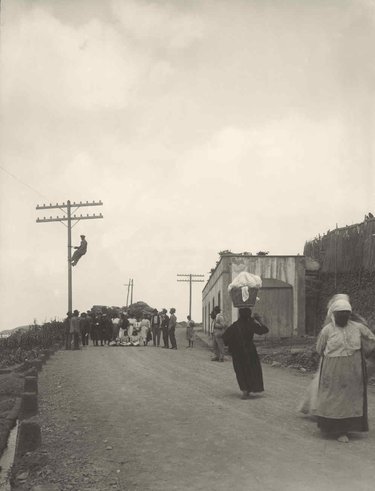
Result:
[{"x": 202, "y": 125}]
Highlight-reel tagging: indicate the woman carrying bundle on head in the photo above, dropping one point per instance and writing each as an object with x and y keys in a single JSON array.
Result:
[
  {"x": 342, "y": 390},
  {"x": 239, "y": 338}
]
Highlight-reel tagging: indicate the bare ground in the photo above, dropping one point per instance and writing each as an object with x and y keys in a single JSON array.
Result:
[{"x": 116, "y": 418}]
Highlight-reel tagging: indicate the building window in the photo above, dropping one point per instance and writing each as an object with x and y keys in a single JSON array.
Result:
[{"x": 219, "y": 299}]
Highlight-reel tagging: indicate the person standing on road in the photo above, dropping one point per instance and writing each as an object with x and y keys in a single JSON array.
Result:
[
  {"x": 190, "y": 334},
  {"x": 96, "y": 328},
  {"x": 75, "y": 329},
  {"x": 155, "y": 326},
  {"x": 66, "y": 333},
  {"x": 145, "y": 327},
  {"x": 115, "y": 326},
  {"x": 124, "y": 324},
  {"x": 239, "y": 338},
  {"x": 217, "y": 336},
  {"x": 172, "y": 328},
  {"x": 342, "y": 390},
  {"x": 85, "y": 329},
  {"x": 164, "y": 327}
]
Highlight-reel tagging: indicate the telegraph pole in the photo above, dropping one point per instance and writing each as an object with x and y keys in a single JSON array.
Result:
[
  {"x": 191, "y": 280},
  {"x": 68, "y": 217},
  {"x": 130, "y": 289}
]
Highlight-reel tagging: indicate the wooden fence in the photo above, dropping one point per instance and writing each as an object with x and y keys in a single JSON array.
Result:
[{"x": 346, "y": 249}]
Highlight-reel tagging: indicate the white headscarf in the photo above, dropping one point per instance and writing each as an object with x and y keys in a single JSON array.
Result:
[{"x": 338, "y": 303}]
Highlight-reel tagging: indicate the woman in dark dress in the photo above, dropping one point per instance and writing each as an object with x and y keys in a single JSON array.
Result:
[{"x": 239, "y": 338}]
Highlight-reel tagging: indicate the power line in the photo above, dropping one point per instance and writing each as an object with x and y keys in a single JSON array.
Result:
[{"x": 22, "y": 182}]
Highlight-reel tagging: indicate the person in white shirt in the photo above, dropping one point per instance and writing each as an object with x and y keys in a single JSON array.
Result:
[{"x": 342, "y": 390}]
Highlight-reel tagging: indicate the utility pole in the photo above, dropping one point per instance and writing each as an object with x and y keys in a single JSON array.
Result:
[
  {"x": 69, "y": 217},
  {"x": 191, "y": 280},
  {"x": 130, "y": 290}
]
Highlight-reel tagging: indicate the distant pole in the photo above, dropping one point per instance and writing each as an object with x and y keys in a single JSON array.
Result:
[
  {"x": 70, "y": 287},
  {"x": 67, "y": 209},
  {"x": 336, "y": 259},
  {"x": 191, "y": 280},
  {"x": 127, "y": 295},
  {"x": 190, "y": 290},
  {"x": 131, "y": 291}
]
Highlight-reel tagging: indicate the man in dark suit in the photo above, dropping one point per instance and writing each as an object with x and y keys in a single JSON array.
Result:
[
  {"x": 80, "y": 250},
  {"x": 164, "y": 327}
]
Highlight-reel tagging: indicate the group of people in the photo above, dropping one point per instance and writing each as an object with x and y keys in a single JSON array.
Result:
[
  {"x": 337, "y": 395},
  {"x": 120, "y": 329}
]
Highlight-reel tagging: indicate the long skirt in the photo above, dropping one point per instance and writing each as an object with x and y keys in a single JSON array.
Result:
[
  {"x": 342, "y": 394},
  {"x": 248, "y": 370}
]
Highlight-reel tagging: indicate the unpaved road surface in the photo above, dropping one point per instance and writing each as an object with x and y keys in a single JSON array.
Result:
[{"x": 127, "y": 418}]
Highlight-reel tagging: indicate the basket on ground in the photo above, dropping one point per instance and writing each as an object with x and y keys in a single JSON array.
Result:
[{"x": 238, "y": 298}]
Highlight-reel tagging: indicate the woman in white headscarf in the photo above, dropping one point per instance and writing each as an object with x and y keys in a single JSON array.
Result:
[{"x": 341, "y": 405}]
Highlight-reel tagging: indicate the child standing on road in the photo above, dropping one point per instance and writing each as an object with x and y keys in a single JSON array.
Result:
[{"x": 190, "y": 334}]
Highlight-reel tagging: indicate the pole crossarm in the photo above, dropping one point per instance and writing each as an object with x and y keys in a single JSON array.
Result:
[
  {"x": 193, "y": 281},
  {"x": 65, "y": 219},
  {"x": 65, "y": 205},
  {"x": 188, "y": 275}
]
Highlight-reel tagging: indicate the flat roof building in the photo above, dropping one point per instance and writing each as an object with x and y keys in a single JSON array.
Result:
[{"x": 281, "y": 298}]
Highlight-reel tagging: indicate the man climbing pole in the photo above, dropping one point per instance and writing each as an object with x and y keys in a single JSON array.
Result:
[{"x": 80, "y": 250}]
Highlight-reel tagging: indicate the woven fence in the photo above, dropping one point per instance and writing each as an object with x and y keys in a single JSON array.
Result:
[{"x": 345, "y": 249}]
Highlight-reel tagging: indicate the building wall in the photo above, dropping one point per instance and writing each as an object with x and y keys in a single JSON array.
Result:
[
  {"x": 288, "y": 269},
  {"x": 216, "y": 292}
]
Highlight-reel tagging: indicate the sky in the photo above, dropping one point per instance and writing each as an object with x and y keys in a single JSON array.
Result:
[{"x": 202, "y": 126}]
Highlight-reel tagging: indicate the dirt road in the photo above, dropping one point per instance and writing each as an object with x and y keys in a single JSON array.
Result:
[{"x": 147, "y": 418}]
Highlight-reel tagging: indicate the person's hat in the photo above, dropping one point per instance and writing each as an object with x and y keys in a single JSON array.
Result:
[
  {"x": 76, "y": 312},
  {"x": 83, "y": 236},
  {"x": 164, "y": 311},
  {"x": 173, "y": 310}
]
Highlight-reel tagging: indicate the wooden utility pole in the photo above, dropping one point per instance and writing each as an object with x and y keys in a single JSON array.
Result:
[
  {"x": 130, "y": 286},
  {"x": 68, "y": 217},
  {"x": 130, "y": 292},
  {"x": 191, "y": 280}
]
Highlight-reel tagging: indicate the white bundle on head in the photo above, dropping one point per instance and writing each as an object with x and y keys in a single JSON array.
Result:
[{"x": 245, "y": 279}]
